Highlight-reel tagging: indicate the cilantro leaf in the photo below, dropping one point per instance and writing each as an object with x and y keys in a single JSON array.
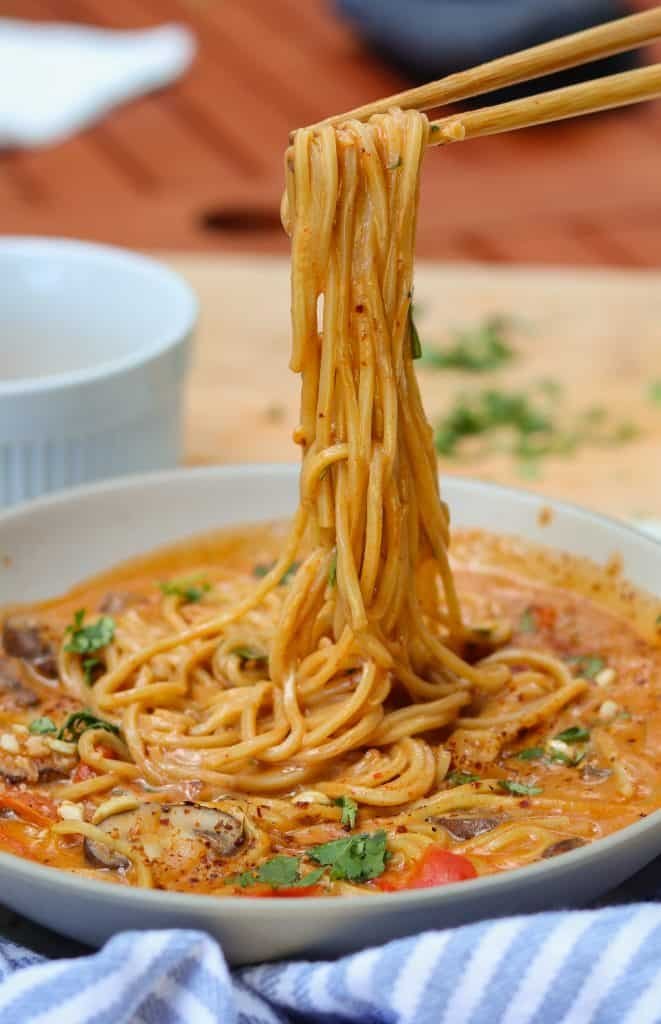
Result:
[
  {"x": 248, "y": 653},
  {"x": 245, "y": 879},
  {"x": 416, "y": 345},
  {"x": 530, "y": 754},
  {"x": 527, "y": 623},
  {"x": 306, "y": 881},
  {"x": 574, "y": 734},
  {"x": 41, "y": 726},
  {"x": 356, "y": 858},
  {"x": 588, "y": 665},
  {"x": 89, "y": 667},
  {"x": 79, "y": 722},
  {"x": 519, "y": 788},
  {"x": 279, "y": 871},
  {"x": 263, "y": 569},
  {"x": 83, "y": 639},
  {"x": 654, "y": 392},
  {"x": 189, "y": 590},
  {"x": 349, "y": 810},
  {"x": 332, "y": 572},
  {"x": 461, "y": 778}
]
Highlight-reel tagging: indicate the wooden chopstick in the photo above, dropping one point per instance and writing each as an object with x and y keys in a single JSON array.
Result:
[
  {"x": 569, "y": 51},
  {"x": 584, "y": 98}
]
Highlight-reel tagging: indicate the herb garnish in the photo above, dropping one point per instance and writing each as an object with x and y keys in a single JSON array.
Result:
[
  {"x": 189, "y": 590},
  {"x": 42, "y": 726},
  {"x": 574, "y": 734},
  {"x": 416, "y": 345},
  {"x": 461, "y": 778},
  {"x": 247, "y": 653},
  {"x": 79, "y": 722},
  {"x": 90, "y": 665},
  {"x": 519, "y": 788},
  {"x": 349, "y": 810},
  {"x": 356, "y": 858},
  {"x": 278, "y": 872},
  {"x": 588, "y": 666},
  {"x": 530, "y": 754},
  {"x": 332, "y": 572},
  {"x": 475, "y": 349},
  {"x": 654, "y": 391},
  {"x": 527, "y": 623},
  {"x": 83, "y": 639},
  {"x": 262, "y": 569}
]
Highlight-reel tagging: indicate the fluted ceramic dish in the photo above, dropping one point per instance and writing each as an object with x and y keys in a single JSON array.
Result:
[
  {"x": 52, "y": 543},
  {"x": 93, "y": 347}
]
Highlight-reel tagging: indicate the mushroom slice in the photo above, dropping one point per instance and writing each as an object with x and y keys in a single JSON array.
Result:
[
  {"x": 563, "y": 846},
  {"x": 467, "y": 827},
  {"x": 23, "y": 637},
  {"x": 171, "y": 833},
  {"x": 13, "y": 689},
  {"x": 101, "y": 856}
]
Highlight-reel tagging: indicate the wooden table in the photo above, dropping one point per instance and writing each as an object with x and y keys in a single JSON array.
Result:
[
  {"x": 598, "y": 334},
  {"x": 199, "y": 166}
]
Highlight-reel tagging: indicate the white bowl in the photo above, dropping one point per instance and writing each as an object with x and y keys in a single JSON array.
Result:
[
  {"x": 93, "y": 344},
  {"x": 98, "y": 526}
]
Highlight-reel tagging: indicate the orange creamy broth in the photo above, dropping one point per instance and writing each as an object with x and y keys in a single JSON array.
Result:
[{"x": 617, "y": 781}]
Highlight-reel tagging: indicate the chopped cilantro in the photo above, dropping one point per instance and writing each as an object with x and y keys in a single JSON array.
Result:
[
  {"x": 83, "y": 639},
  {"x": 248, "y": 653},
  {"x": 530, "y": 754},
  {"x": 518, "y": 788},
  {"x": 306, "y": 881},
  {"x": 528, "y": 622},
  {"x": 349, "y": 810},
  {"x": 245, "y": 879},
  {"x": 561, "y": 758},
  {"x": 332, "y": 572},
  {"x": 190, "y": 590},
  {"x": 79, "y": 722},
  {"x": 475, "y": 349},
  {"x": 279, "y": 871},
  {"x": 89, "y": 667},
  {"x": 356, "y": 858},
  {"x": 416, "y": 344},
  {"x": 262, "y": 569},
  {"x": 461, "y": 778},
  {"x": 41, "y": 726},
  {"x": 657, "y": 621},
  {"x": 588, "y": 666},
  {"x": 654, "y": 391},
  {"x": 574, "y": 734}
]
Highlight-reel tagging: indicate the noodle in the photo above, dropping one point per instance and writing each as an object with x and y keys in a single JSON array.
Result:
[{"x": 347, "y": 668}]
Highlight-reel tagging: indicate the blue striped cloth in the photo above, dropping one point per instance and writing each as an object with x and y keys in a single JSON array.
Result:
[{"x": 570, "y": 967}]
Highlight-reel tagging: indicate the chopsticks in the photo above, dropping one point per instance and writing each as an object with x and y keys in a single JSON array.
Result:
[{"x": 569, "y": 51}]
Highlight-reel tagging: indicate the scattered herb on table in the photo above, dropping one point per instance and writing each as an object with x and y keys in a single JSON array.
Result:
[
  {"x": 84, "y": 639},
  {"x": 349, "y": 810},
  {"x": 189, "y": 590},
  {"x": 654, "y": 391},
  {"x": 474, "y": 349}
]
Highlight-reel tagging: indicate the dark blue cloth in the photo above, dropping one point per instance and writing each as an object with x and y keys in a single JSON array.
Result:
[{"x": 426, "y": 39}]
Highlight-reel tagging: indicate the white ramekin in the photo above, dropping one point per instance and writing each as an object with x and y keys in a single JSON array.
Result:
[{"x": 93, "y": 352}]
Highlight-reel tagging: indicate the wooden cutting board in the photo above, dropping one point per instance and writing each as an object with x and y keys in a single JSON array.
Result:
[{"x": 596, "y": 333}]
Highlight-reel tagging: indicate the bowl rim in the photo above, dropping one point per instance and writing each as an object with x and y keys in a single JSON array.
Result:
[
  {"x": 136, "y": 898},
  {"x": 185, "y": 310}
]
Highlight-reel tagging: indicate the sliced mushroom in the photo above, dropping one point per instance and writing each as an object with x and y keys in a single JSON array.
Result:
[
  {"x": 563, "y": 846},
  {"x": 115, "y": 601},
  {"x": 593, "y": 773},
  {"x": 176, "y": 834},
  {"x": 23, "y": 637},
  {"x": 13, "y": 689},
  {"x": 16, "y": 768},
  {"x": 466, "y": 827},
  {"x": 101, "y": 856}
]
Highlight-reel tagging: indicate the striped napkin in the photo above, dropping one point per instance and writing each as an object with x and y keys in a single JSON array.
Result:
[{"x": 571, "y": 967}]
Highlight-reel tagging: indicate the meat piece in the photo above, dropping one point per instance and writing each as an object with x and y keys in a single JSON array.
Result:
[
  {"x": 467, "y": 826},
  {"x": 23, "y": 637},
  {"x": 13, "y": 692},
  {"x": 563, "y": 846},
  {"x": 177, "y": 833},
  {"x": 474, "y": 748}
]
